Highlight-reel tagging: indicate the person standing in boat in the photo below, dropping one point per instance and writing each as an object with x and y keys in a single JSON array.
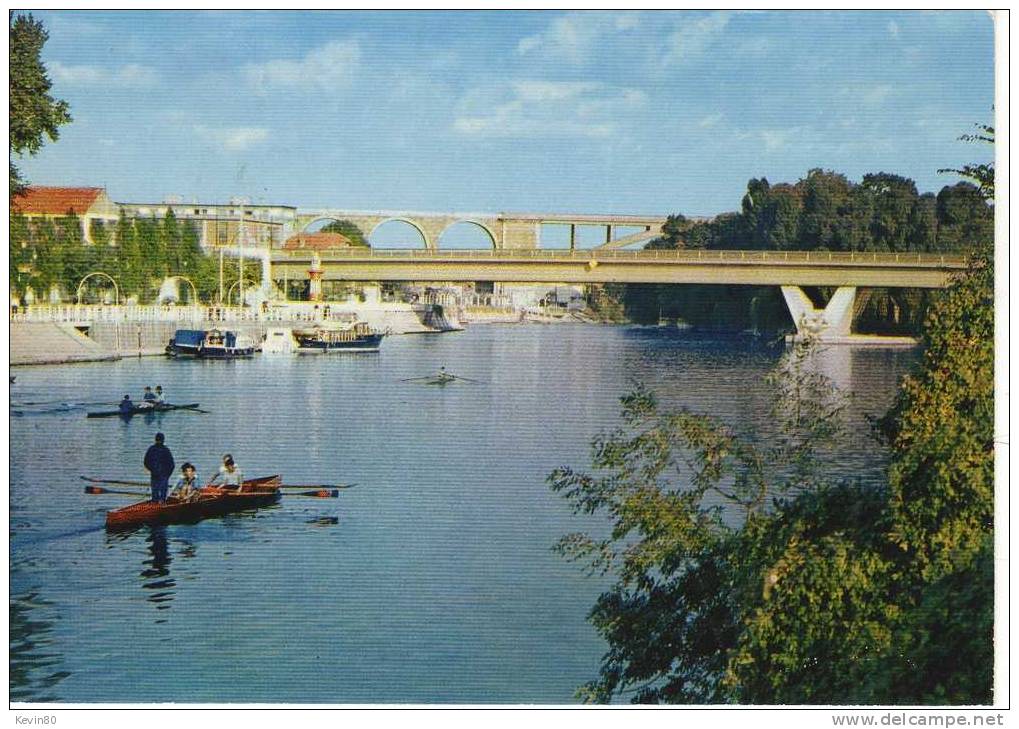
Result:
[
  {"x": 159, "y": 463},
  {"x": 229, "y": 474},
  {"x": 187, "y": 486},
  {"x": 126, "y": 406}
]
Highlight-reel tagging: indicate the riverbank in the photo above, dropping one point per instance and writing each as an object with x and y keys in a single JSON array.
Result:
[{"x": 96, "y": 339}]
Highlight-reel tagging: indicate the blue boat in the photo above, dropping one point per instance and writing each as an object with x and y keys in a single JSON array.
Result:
[{"x": 210, "y": 344}]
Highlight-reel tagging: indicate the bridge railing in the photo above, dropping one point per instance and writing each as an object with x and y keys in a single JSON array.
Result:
[{"x": 938, "y": 260}]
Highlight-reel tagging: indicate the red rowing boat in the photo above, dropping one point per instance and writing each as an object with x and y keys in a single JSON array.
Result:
[{"x": 211, "y": 501}]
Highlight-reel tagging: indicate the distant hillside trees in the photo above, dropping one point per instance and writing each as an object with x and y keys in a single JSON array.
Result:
[{"x": 823, "y": 211}]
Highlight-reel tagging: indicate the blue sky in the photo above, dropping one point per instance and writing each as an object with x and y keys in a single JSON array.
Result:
[{"x": 654, "y": 112}]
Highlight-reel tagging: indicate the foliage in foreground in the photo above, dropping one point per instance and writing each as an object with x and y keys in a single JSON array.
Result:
[
  {"x": 822, "y": 593},
  {"x": 818, "y": 593},
  {"x": 33, "y": 113}
]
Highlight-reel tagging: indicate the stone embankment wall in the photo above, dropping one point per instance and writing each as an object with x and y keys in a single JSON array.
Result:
[
  {"x": 491, "y": 315},
  {"x": 46, "y": 343}
]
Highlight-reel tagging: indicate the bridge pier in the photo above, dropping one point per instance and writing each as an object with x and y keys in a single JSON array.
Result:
[
  {"x": 830, "y": 324},
  {"x": 833, "y": 323}
]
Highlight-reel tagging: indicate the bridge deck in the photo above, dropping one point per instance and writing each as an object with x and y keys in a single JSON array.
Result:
[
  {"x": 760, "y": 268},
  {"x": 714, "y": 257}
]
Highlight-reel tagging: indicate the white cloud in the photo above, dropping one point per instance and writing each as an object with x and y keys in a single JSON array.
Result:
[
  {"x": 776, "y": 139},
  {"x": 546, "y": 91},
  {"x": 573, "y": 37},
  {"x": 692, "y": 38},
  {"x": 232, "y": 139},
  {"x": 132, "y": 75},
  {"x": 323, "y": 69},
  {"x": 527, "y": 108},
  {"x": 868, "y": 94},
  {"x": 711, "y": 120}
]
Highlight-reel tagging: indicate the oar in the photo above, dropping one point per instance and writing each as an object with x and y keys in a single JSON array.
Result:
[
  {"x": 415, "y": 379},
  {"x": 318, "y": 486},
  {"x": 468, "y": 379},
  {"x": 101, "y": 490},
  {"x": 119, "y": 483},
  {"x": 322, "y": 494}
]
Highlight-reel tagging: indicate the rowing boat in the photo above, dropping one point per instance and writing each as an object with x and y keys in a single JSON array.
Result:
[
  {"x": 211, "y": 501},
  {"x": 139, "y": 410}
]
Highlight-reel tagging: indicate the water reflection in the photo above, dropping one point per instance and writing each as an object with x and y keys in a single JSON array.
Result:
[
  {"x": 434, "y": 582},
  {"x": 33, "y": 658}
]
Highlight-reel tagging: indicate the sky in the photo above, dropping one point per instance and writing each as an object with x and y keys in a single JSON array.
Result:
[{"x": 588, "y": 112}]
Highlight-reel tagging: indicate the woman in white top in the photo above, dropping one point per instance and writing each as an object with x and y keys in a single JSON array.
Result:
[{"x": 229, "y": 474}]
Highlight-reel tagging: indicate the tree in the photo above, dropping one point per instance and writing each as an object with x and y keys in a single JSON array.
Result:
[
  {"x": 673, "y": 234},
  {"x": 348, "y": 229},
  {"x": 688, "y": 580},
  {"x": 824, "y": 593},
  {"x": 892, "y": 200},
  {"x": 981, "y": 174},
  {"x": 33, "y": 113}
]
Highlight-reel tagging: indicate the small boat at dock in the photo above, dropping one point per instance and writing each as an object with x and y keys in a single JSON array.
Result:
[
  {"x": 210, "y": 344},
  {"x": 142, "y": 410},
  {"x": 354, "y": 337},
  {"x": 211, "y": 501}
]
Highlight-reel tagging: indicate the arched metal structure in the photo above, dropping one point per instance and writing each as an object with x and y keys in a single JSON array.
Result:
[{"x": 116, "y": 288}]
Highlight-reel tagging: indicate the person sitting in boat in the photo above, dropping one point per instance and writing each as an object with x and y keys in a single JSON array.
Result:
[
  {"x": 187, "y": 486},
  {"x": 148, "y": 399},
  {"x": 159, "y": 395},
  {"x": 229, "y": 474},
  {"x": 126, "y": 406}
]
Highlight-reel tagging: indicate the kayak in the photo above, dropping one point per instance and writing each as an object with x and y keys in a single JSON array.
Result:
[
  {"x": 211, "y": 501},
  {"x": 136, "y": 410}
]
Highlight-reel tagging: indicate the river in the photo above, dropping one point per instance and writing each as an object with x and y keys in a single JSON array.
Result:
[{"x": 430, "y": 581}]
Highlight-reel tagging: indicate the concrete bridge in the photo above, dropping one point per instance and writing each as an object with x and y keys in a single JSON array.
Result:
[
  {"x": 788, "y": 269},
  {"x": 506, "y": 231}
]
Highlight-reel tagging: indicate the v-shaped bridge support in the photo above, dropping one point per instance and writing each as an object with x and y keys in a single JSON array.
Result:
[{"x": 831, "y": 323}]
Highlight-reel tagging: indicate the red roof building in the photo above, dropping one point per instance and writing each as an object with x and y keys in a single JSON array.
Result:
[
  {"x": 317, "y": 241},
  {"x": 91, "y": 204}
]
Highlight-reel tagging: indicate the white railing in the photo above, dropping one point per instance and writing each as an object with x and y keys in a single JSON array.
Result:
[
  {"x": 99, "y": 313},
  {"x": 192, "y": 315}
]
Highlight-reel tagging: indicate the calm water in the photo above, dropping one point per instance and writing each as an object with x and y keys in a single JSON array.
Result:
[{"x": 430, "y": 581}]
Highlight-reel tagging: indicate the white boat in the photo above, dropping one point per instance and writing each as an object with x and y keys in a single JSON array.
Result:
[{"x": 279, "y": 340}]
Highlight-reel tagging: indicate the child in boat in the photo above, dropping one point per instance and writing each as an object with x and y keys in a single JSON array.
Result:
[
  {"x": 229, "y": 474},
  {"x": 186, "y": 488}
]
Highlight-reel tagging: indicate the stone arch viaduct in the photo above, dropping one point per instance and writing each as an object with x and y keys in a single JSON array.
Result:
[{"x": 508, "y": 231}]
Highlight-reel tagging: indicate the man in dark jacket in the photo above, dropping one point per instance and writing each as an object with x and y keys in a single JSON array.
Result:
[{"x": 159, "y": 463}]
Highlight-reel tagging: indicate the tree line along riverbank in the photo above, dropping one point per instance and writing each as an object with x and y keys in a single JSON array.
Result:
[{"x": 822, "y": 211}]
